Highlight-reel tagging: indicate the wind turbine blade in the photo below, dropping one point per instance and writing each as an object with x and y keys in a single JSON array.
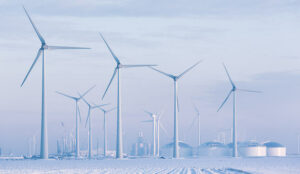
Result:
[
  {"x": 87, "y": 91},
  {"x": 166, "y": 74},
  {"x": 246, "y": 90},
  {"x": 101, "y": 109},
  {"x": 196, "y": 108},
  {"x": 88, "y": 117},
  {"x": 147, "y": 121},
  {"x": 188, "y": 69},
  {"x": 225, "y": 100},
  {"x": 112, "y": 78},
  {"x": 136, "y": 66},
  {"x": 228, "y": 76},
  {"x": 35, "y": 60},
  {"x": 87, "y": 103},
  {"x": 112, "y": 53},
  {"x": 191, "y": 126},
  {"x": 65, "y": 47},
  {"x": 160, "y": 114},
  {"x": 164, "y": 129},
  {"x": 99, "y": 106},
  {"x": 149, "y": 113},
  {"x": 79, "y": 114},
  {"x": 34, "y": 27},
  {"x": 111, "y": 109},
  {"x": 66, "y": 95}
]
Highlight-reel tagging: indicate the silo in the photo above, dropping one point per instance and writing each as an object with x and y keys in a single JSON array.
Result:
[
  {"x": 213, "y": 149},
  {"x": 275, "y": 149},
  {"x": 185, "y": 150},
  {"x": 252, "y": 149}
]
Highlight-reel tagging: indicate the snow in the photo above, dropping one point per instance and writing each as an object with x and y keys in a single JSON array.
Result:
[{"x": 229, "y": 165}]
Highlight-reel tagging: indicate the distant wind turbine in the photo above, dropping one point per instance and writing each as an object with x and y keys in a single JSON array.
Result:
[
  {"x": 119, "y": 144},
  {"x": 105, "y": 129},
  {"x": 154, "y": 129},
  {"x": 233, "y": 91},
  {"x": 44, "y": 46},
  {"x": 88, "y": 119},
  {"x": 176, "y": 108},
  {"x": 77, "y": 99},
  {"x": 199, "y": 124}
]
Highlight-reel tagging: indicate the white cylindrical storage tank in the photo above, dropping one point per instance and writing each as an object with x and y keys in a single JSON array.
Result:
[
  {"x": 185, "y": 150},
  {"x": 213, "y": 149},
  {"x": 275, "y": 149},
  {"x": 252, "y": 149}
]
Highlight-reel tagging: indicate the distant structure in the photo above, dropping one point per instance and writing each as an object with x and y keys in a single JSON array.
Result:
[
  {"x": 275, "y": 149},
  {"x": 40, "y": 53},
  {"x": 58, "y": 148},
  {"x": 141, "y": 147},
  {"x": 213, "y": 149},
  {"x": 252, "y": 149},
  {"x": 176, "y": 105},
  {"x": 185, "y": 150},
  {"x": 119, "y": 143}
]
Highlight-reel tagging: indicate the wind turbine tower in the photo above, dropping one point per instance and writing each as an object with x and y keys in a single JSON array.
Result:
[
  {"x": 233, "y": 92},
  {"x": 44, "y": 46},
  {"x": 105, "y": 129},
  {"x": 88, "y": 119},
  {"x": 119, "y": 144},
  {"x": 77, "y": 117},
  {"x": 176, "y": 108}
]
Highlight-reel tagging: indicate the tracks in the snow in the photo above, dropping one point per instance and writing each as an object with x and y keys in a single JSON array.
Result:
[{"x": 177, "y": 171}]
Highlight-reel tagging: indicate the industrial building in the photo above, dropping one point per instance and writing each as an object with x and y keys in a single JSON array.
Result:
[
  {"x": 213, "y": 149},
  {"x": 141, "y": 148},
  {"x": 275, "y": 149},
  {"x": 252, "y": 149},
  {"x": 185, "y": 150}
]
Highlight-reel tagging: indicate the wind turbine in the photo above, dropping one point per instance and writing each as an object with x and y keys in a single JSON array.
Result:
[
  {"x": 44, "y": 46},
  {"x": 199, "y": 125},
  {"x": 156, "y": 129},
  {"x": 119, "y": 144},
  {"x": 176, "y": 108},
  {"x": 88, "y": 119},
  {"x": 105, "y": 129},
  {"x": 233, "y": 92},
  {"x": 77, "y": 99},
  {"x": 154, "y": 121}
]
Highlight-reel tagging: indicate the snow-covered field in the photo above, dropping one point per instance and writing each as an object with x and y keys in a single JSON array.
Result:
[{"x": 200, "y": 165}]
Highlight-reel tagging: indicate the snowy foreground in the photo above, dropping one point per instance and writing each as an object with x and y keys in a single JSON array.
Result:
[{"x": 201, "y": 165}]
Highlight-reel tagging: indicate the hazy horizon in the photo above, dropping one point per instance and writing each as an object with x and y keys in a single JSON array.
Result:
[{"x": 257, "y": 40}]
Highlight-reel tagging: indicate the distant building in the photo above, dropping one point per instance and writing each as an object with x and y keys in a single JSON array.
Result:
[
  {"x": 252, "y": 149},
  {"x": 213, "y": 149},
  {"x": 275, "y": 149},
  {"x": 141, "y": 147},
  {"x": 185, "y": 150}
]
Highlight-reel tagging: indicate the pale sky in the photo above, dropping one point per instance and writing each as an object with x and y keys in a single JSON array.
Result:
[{"x": 257, "y": 39}]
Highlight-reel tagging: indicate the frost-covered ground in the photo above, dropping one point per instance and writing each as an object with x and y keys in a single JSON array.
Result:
[{"x": 201, "y": 165}]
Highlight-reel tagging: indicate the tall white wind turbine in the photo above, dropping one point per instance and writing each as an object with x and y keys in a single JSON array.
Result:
[
  {"x": 44, "y": 46},
  {"x": 154, "y": 129},
  {"x": 198, "y": 117},
  {"x": 105, "y": 129},
  {"x": 176, "y": 108},
  {"x": 233, "y": 92},
  {"x": 119, "y": 144},
  {"x": 88, "y": 119},
  {"x": 77, "y": 117}
]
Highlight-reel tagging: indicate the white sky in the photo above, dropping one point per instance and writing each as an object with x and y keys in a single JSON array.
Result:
[{"x": 258, "y": 41}]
